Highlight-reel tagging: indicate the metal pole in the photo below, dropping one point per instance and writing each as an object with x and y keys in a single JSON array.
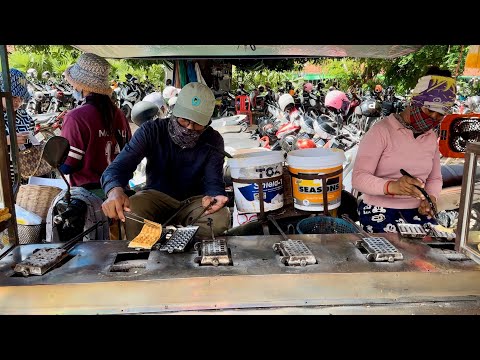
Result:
[{"x": 6, "y": 182}]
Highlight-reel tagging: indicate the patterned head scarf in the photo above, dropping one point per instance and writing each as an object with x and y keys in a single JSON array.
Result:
[
  {"x": 436, "y": 93},
  {"x": 18, "y": 84}
]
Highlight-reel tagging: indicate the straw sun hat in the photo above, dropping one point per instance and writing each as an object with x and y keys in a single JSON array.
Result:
[{"x": 90, "y": 73}]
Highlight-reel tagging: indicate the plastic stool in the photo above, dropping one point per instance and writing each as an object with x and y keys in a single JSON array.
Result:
[{"x": 242, "y": 106}]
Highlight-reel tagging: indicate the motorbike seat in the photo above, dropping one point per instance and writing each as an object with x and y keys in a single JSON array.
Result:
[
  {"x": 452, "y": 175},
  {"x": 44, "y": 118}
]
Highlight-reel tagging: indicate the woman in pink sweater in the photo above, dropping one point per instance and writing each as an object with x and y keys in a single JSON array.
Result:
[{"x": 403, "y": 141}]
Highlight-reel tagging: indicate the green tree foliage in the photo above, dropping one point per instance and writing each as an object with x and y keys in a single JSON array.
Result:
[
  {"x": 56, "y": 58},
  {"x": 253, "y": 79},
  {"x": 403, "y": 72}
]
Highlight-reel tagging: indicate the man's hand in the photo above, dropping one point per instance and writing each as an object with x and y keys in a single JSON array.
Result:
[
  {"x": 425, "y": 209},
  {"x": 116, "y": 203},
  {"x": 221, "y": 201}
]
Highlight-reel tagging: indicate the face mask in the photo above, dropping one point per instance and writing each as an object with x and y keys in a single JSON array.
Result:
[
  {"x": 77, "y": 95},
  {"x": 183, "y": 137},
  {"x": 421, "y": 122}
]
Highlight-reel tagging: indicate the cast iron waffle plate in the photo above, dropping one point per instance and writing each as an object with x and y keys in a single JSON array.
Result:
[
  {"x": 379, "y": 249},
  {"x": 294, "y": 253},
  {"x": 179, "y": 240},
  {"x": 40, "y": 261},
  {"x": 411, "y": 230},
  {"x": 212, "y": 252}
]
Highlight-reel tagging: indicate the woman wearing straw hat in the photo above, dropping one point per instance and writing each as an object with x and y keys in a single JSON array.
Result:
[{"x": 97, "y": 130}]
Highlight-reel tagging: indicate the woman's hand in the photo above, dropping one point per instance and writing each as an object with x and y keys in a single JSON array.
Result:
[
  {"x": 221, "y": 201},
  {"x": 425, "y": 209},
  {"x": 406, "y": 186},
  {"x": 21, "y": 139}
]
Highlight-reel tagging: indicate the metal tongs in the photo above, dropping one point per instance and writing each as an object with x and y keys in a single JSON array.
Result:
[
  {"x": 193, "y": 221},
  {"x": 430, "y": 202},
  {"x": 132, "y": 216}
]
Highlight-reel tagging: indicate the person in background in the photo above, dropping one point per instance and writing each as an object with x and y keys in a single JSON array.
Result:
[
  {"x": 24, "y": 124},
  {"x": 270, "y": 96},
  {"x": 241, "y": 90},
  {"x": 403, "y": 141},
  {"x": 168, "y": 82},
  {"x": 97, "y": 130},
  {"x": 378, "y": 92},
  {"x": 185, "y": 158}
]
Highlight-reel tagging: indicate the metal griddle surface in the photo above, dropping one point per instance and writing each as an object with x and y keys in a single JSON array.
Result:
[{"x": 251, "y": 255}]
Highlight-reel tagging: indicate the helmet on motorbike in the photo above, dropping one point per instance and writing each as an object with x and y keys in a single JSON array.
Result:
[
  {"x": 320, "y": 85},
  {"x": 371, "y": 108},
  {"x": 378, "y": 88},
  {"x": 155, "y": 98},
  {"x": 261, "y": 89},
  {"x": 285, "y": 100},
  {"x": 308, "y": 87},
  {"x": 46, "y": 75},
  {"x": 306, "y": 124},
  {"x": 169, "y": 92},
  {"x": 144, "y": 111},
  {"x": 304, "y": 143},
  {"x": 473, "y": 103},
  {"x": 172, "y": 101},
  {"x": 337, "y": 101},
  {"x": 32, "y": 73},
  {"x": 38, "y": 96},
  {"x": 323, "y": 127}
]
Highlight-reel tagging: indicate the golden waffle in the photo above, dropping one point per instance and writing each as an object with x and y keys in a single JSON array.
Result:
[
  {"x": 4, "y": 214},
  {"x": 149, "y": 235}
]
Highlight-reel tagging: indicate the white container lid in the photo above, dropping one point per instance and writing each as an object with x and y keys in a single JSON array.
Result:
[
  {"x": 256, "y": 159},
  {"x": 314, "y": 159}
]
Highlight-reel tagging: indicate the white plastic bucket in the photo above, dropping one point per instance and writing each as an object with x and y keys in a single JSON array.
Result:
[
  {"x": 252, "y": 166},
  {"x": 308, "y": 194}
]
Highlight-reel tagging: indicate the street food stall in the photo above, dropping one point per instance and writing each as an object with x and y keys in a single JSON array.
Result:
[{"x": 276, "y": 272}]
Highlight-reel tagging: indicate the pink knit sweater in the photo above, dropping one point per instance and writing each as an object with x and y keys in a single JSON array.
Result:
[{"x": 385, "y": 149}]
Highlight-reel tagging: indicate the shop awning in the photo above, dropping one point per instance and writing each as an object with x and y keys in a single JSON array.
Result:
[{"x": 247, "y": 51}]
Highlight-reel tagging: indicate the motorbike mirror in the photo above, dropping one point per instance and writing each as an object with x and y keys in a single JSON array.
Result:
[{"x": 56, "y": 151}]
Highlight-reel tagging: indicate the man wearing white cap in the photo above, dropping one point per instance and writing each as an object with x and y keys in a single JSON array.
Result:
[{"x": 184, "y": 161}]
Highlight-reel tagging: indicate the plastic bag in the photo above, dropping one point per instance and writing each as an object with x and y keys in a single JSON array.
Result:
[{"x": 25, "y": 217}]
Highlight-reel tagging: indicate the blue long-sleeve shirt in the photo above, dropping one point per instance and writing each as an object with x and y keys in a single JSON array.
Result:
[{"x": 180, "y": 173}]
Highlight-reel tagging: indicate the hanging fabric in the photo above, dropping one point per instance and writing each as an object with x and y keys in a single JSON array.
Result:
[
  {"x": 177, "y": 83},
  {"x": 183, "y": 73},
  {"x": 200, "y": 78},
  {"x": 192, "y": 75}
]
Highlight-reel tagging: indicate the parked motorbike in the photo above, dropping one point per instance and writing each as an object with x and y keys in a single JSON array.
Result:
[
  {"x": 128, "y": 95},
  {"x": 75, "y": 209},
  {"x": 367, "y": 114}
]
